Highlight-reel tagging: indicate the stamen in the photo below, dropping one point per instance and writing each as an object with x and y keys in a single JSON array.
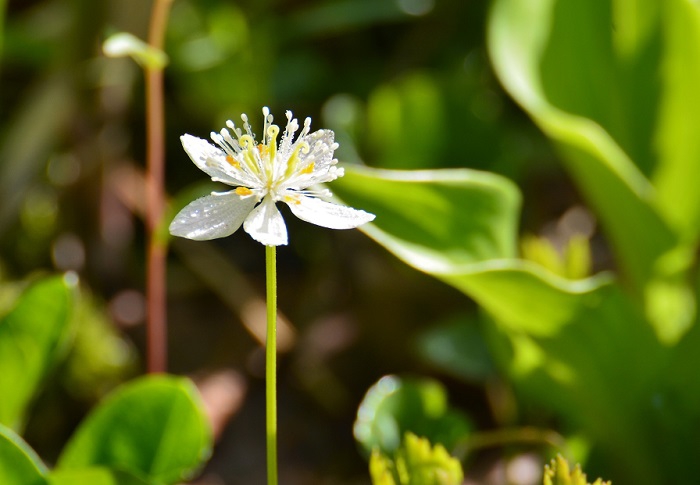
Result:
[
  {"x": 293, "y": 161},
  {"x": 309, "y": 168},
  {"x": 236, "y": 131},
  {"x": 246, "y": 126},
  {"x": 243, "y": 191},
  {"x": 272, "y": 132},
  {"x": 290, "y": 129},
  {"x": 247, "y": 143},
  {"x": 267, "y": 119},
  {"x": 232, "y": 161}
]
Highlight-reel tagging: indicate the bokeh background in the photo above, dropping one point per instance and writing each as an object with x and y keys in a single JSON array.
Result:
[{"x": 405, "y": 84}]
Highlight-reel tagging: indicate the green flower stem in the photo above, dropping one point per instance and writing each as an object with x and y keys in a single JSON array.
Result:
[{"x": 271, "y": 364}]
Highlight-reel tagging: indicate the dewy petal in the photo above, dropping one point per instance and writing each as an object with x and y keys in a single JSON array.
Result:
[
  {"x": 212, "y": 216},
  {"x": 211, "y": 160},
  {"x": 266, "y": 225},
  {"x": 327, "y": 214}
]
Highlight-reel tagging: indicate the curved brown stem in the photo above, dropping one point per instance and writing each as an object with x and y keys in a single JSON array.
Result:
[{"x": 155, "y": 199}]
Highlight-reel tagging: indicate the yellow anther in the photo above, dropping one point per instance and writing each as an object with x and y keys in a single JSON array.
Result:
[
  {"x": 291, "y": 200},
  {"x": 232, "y": 161},
  {"x": 243, "y": 191},
  {"x": 309, "y": 168}
]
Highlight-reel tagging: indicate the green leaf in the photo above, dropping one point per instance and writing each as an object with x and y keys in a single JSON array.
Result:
[
  {"x": 416, "y": 463},
  {"x": 124, "y": 44},
  {"x": 19, "y": 465},
  {"x": 395, "y": 405},
  {"x": 436, "y": 219},
  {"x": 31, "y": 338},
  {"x": 676, "y": 142},
  {"x": 95, "y": 476},
  {"x": 558, "y": 473},
  {"x": 153, "y": 427},
  {"x": 558, "y": 60}
]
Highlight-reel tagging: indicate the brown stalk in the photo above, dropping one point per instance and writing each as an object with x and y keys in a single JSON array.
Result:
[{"x": 156, "y": 325}]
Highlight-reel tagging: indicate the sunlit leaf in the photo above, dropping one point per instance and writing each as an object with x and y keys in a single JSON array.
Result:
[
  {"x": 416, "y": 462},
  {"x": 19, "y": 464},
  {"x": 152, "y": 427},
  {"x": 557, "y": 60},
  {"x": 435, "y": 220},
  {"x": 558, "y": 473}
]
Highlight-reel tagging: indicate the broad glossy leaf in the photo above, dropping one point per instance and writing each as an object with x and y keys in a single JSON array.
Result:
[
  {"x": 31, "y": 338},
  {"x": 435, "y": 219},
  {"x": 459, "y": 226},
  {"x": 95, "y": 476},
  {"x": 559, "y": 61},
  {"x": 19, "y": 465},
  {"x": 396, "y": 405},
  {"x": 153, "y": 427}
]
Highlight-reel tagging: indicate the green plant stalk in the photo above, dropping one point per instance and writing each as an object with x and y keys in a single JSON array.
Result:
[
  {"x": 271, "y": 364},
  {"x": 156, "y": 327}
]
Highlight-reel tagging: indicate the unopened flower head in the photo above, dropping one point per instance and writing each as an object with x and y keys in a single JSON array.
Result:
[{"x": 263, "y": 174}]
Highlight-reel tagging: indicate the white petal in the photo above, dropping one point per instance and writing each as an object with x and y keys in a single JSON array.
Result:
[
  {"x": 266, "y": 225},
  {"x": 212, "y": 161},
  {"x": 327, "y": 214},
  {"x": 213, "y": 216}
]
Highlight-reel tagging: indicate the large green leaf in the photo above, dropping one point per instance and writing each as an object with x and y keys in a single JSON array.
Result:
[
  {"x": 435, "y": 219},
  {"x": 31, "y": 338},
  {"x": 19, "y": 465},
  {"x": 153, "y": 427},
  {"x": 460, "y": 226},
  {"x": 558, "y": 59}
]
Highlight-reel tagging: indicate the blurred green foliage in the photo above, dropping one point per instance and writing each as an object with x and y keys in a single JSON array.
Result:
[
  {"x": 151, "y": 431},
  {"x": 604, "y": 355},
  {"x": 33, "y": 337},
  {"x": 397, "y": 405},
  {"x": 559, "y": 473},
  {"x": 416, "y": 463}
]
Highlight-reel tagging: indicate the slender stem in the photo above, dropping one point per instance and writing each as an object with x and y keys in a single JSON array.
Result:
[
  {"x": 271, "y": 364},
  {"x": 511, "y": 436},
  {"x": 155, "y": 200}
]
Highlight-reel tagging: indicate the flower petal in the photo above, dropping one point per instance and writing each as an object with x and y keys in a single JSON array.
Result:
[
  {"x": 213, "y": 216},
  {"x": 327, "y": 214},
  {"x": 212, "y": 161},
  {"x": 266, "y": 225}
]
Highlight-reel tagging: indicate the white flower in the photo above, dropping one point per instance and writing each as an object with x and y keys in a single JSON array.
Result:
[{"x": 263, "y": 175}]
